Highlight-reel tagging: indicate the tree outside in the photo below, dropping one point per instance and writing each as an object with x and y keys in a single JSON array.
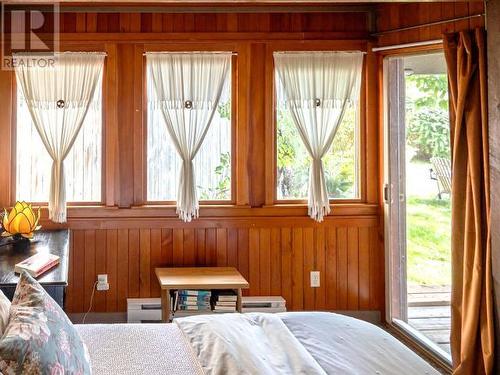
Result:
[{"x": 428, "y": 217}]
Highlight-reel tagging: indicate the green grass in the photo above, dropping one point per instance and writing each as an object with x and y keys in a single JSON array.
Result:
[{"x": 429, "y": 241}]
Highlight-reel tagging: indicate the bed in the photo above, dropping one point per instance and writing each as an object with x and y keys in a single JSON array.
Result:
[{"x": 254, "y": 343}]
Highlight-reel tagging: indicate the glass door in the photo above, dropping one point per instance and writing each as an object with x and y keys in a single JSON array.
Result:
[{"x": 417, "y": 194}]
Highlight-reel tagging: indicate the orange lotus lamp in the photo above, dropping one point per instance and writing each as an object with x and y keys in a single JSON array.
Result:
[{"x": 21, "y": 221}]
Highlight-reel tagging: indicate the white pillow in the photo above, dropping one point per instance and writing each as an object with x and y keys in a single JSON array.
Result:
[{"x": 4, "y": 312}]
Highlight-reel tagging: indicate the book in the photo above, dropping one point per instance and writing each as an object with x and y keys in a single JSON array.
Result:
[
  {"x": 194, "y": 298},
  {"x": 37, "y": 264},
  {"x": 225, "y": 295},
  {"x": 183, "y": 307},
  {"x": 227, "y": 298},
  {"x": 194, "y": 293},
  {"x": 194, "y": 303},
  {"x": 225, "y": 303},
  {"x": 225, "y": 309}
]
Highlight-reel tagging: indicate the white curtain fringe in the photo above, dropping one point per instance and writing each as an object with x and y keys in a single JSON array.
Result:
[
  {"x": 58, "y": 133},
  {"x": 303, "y": 79},
  {"x": 187, "y": 132}
]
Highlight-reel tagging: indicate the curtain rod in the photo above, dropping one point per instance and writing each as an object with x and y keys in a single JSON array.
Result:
[
  {"x": 427, "y": 24},
  {"x": 308, "y": 52},
  {"x": 407, "y": 45},
  {"x": 59, "y": 53},
  {"x": 190, "y": 53}
]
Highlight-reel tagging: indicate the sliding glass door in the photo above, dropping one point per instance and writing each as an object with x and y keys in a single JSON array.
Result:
[{"x": 417, "y": 194}]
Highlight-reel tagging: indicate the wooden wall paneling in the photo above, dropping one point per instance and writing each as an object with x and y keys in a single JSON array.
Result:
[
  {"x": 100, "y": 267},
  {"x": 122, "y": 270},
  {"x": 286, "y": 266},
  {"x": 89, "y": 262},
  {"x": 78, "y": 253},
  {"x": 265, "y": 261},
  {"x": 274, "y": 247},
  {"x": 394, "y": 16},
  {"x": 377, "y": 272},
  {"x": 167, "y": 247},
  {"x": 134, "y": 277},
  {"x": 275, "y": 262},
  {"x": 144, "y": 263},
  {"x": 221, "y": 247},
  {"x": 308, "y": 266},
  {"x": 424, "y": 16},
  {"x": 189, "y": 249},
  {"x": 232, "y": 247},
  {"x": 352, "y": 268},
  {"x": 126, "y": 116},
  {"x": 243, "y": 255},
  {"x": 364, "y": 268},
  {"x": 254, "y": 261},
  {"x": 256, "y": 126},
  {"x": 81, "y": 22},
  {"x": 476, "y": 7},
  {"x": 320, "y": 265},
  {"x": 68, "y": 302},
  {"x": 342, "y": 273},
  {"x": 461, "y": 10},
  {"x": 211, "y": 247},
  {"x": 331, "y": 268},
  {"x": 212, "y": 22},
  {"x": 297, "y": 269},
  {"x": 436, "y": 14},
  {"x": 200, "y": 246},
  {"x": 156, "y": 261},
  {"x": 178, "y": 247},
  {"x": 112, "y": 269}
]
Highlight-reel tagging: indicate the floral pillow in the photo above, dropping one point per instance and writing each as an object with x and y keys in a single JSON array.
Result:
[{"x": 40, "y": 338}]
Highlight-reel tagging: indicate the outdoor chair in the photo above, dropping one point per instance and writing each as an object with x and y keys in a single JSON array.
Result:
[{"x": 441, "y": 173}]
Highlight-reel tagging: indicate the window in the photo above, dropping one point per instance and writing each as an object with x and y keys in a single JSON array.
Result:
[
  {"x": 341, "y": 163},
  {"x": 419, "y": 208},
  {"x": 212, "y": 163},
  {"x": 82, "y": 166}
]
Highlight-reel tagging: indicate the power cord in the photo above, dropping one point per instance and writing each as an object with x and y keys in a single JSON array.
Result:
[{"x": 91, "y": 300}]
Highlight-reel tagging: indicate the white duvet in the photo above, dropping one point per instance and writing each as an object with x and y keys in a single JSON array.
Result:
[
  {"x": 247, "y": 344},
  {"x": 297, "y": 343}
]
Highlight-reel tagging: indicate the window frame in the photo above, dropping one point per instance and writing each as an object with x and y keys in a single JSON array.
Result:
[
  {"x": 234, "y": 96},
  {"x": 13, "y": 190},
  {"x": 361, "y": 130}
]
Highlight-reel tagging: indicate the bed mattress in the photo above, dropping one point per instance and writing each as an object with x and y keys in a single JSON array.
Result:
[{"x": 253, "y": 343}]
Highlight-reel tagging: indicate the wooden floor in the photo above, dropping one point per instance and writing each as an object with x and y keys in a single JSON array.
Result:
[{"x": 429, "y": 312}]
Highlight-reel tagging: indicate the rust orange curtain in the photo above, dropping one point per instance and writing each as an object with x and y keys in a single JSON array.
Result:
[{"x": 472, "y": 332}]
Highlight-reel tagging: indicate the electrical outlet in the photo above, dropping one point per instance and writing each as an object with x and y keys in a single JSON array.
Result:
[
  {"x": 314, "y": 279},
  {"x": 102, "y": 282}
]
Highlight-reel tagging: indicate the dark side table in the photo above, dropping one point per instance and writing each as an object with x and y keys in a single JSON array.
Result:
[{"x": 45, "y": 241}]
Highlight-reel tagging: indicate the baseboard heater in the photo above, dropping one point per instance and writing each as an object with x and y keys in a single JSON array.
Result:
[{"x": 148, "y": 310}]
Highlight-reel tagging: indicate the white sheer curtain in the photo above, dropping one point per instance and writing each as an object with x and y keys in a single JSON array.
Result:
[
  {"x": 317, "y": 87},
  {"x": 58, "y": 97},
  {"x": 187, "y": 88}
]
